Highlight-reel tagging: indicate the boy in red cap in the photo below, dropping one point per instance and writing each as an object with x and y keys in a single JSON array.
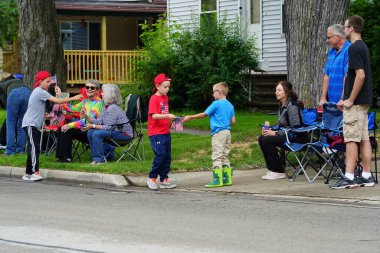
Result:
[
  {"x": 159, "y": 133},
  {"x": 33, "y": 120}
]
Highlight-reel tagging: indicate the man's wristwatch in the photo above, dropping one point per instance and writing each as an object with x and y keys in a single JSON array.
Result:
[{"x": 93, "y": 125}]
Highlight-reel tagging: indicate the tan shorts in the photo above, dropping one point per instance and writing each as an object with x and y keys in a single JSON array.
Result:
[{"x": 355, "y": 123}]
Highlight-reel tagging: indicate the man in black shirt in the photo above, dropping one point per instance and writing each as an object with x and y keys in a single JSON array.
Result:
[{"x": 357, "y": 98}]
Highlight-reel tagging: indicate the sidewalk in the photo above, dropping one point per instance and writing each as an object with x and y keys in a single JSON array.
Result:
[{"x": 244, "y": 181}]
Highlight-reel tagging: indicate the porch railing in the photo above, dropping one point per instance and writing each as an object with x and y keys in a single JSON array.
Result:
[
  {"x": 117, "y": 67},
  {"x": 109, "y": 66}
]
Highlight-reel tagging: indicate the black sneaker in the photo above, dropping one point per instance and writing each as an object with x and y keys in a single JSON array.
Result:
[
  {"x": 362, "y": 182},
  {"x": 344, "y": 183}
]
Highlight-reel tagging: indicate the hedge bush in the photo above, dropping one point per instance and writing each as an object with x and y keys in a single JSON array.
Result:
[{"x": 196, "y": 59}]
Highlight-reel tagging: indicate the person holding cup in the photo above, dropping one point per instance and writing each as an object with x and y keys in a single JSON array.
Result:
[{"x": 289, "y": 116}]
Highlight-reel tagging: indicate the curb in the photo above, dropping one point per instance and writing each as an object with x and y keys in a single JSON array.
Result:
[
  {"x": 98, "y": 178},
  {"x": 69, "y": 176},
  {"x": 176, "y": 177}
]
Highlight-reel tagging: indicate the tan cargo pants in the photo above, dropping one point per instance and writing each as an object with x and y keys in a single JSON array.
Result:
[{"x": 221, "y": 147}]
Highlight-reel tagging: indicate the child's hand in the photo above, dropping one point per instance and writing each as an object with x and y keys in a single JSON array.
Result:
[
  {"x": 186, "y": 118},
  {"x": 58, "y": 91},
  {"x": 64, "y": 128},
  {"x": 87, "y": 127},
  {"x": 171, "y": 116}
]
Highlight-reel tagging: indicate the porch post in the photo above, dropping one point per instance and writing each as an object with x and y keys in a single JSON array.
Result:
[
  {"x": 104, "y": 75},
  {"x": 104, "y": 33}
]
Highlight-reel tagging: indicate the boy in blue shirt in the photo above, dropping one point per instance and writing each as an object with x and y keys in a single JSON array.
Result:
[{"x": 222, "y": 117}]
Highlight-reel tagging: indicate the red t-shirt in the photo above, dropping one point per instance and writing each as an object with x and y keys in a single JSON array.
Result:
[{"x": 158, "y": 105}]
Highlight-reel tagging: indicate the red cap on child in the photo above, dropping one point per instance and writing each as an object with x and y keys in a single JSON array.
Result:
[
  {"x": 161, "y": 78},
  {"x": 42, "y": 75}
]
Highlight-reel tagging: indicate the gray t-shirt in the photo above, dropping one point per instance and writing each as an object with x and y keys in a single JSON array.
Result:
[{"x": 34, "y": 115}]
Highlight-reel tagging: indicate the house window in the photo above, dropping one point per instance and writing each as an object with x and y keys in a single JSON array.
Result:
[
  {"x": 80, "y": 35},
  {"x": 208, "y": 14},
  {"x": 255, "y": 11}
]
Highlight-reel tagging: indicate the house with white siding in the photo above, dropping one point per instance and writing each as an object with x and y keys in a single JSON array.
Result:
[{"x": 262, "y": 19}]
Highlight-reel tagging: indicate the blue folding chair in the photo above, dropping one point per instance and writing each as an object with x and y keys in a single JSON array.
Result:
[
  {"x": 372, "y": 127},
  {"x": 324, "y": 148},
  {"x": 310, "y": 116},
  {"x": 299, "y": 150}
]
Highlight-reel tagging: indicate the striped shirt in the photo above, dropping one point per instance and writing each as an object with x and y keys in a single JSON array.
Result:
[{"x": 114, "y": 118}]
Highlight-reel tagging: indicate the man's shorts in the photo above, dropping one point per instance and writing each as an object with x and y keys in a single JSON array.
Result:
[{"x": 355, "y": 123}]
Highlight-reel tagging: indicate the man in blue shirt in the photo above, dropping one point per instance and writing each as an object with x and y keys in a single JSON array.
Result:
[
  {"x": 336, "y": 65},
  {"x": 222, "y": 116}
]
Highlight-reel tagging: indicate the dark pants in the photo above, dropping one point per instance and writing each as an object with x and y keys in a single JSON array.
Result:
[
  {"x": 33, "y": 136},
  {"x": 3, "y": 134},
  {"x": 269, "y": 147},
  {"x": 161, "y": 146},
  {"x": 65, "y": 142}
]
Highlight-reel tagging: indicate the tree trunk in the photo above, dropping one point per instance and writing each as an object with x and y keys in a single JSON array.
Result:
[
  {"x": 306, "y": 24},
  {"x": 39, "y": 36}
]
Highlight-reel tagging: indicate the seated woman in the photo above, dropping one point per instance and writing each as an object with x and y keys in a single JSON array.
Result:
[
  {"x": 90, "y": 108},
  {"x": 289, "y": 115},
  {"x": 112, "y": 123}
]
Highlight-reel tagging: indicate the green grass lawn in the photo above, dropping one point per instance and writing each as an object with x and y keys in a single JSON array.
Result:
[{"x": 189, "y": 152}]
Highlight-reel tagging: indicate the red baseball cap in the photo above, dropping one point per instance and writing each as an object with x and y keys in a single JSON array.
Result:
[
  {"x": 42, "y": 75},
  {"x": 161, "y": 78}
]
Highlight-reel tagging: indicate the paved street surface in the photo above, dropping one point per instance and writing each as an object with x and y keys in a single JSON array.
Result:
[{"x": 53, "y": 217}]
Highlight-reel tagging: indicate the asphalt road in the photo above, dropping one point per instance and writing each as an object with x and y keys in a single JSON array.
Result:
[{"x": 52, "y": 217}]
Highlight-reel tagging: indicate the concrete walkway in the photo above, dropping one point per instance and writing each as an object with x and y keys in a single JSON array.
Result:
[{"x": 244, "y": 182}]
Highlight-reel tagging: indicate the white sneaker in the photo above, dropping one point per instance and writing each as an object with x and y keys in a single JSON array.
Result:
[
  {"x": 273, "y": 175},
  {"x": 26, "y": 177},
  {"x": 152, "y": 184},
  {"x": 36, "y": 176},
  {"x": 166, "y": 184}
]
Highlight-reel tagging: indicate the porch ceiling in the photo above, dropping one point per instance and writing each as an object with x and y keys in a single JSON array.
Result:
[{"x": 113, "y": 7}]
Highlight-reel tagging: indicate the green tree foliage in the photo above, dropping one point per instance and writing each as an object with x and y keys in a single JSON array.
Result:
[
  {"x": 369, "y": 10},
  {"x": 8, "y": 21},
  {"x": 196, "y": 59}
]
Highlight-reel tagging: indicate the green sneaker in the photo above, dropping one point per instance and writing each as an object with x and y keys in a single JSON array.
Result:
[
  {"x": 227, "y": 175},
  {"x": 217, "y": 178}
]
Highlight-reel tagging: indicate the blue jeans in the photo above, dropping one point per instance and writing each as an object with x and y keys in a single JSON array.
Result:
[
  {"x": 17, "y": 103},
  {"x": 161, "y": 146},
  {"x": 96, "y": 140}
]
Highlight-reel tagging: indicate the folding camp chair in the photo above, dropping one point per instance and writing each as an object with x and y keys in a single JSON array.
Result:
[
  {"x": 299, "y": 150},
  {"x": 79, "y": 148},
  {"x": 372, "y": 127},
  {"x": 330, "y": 147},
  {"x": 137, "y": 114},
  {"x": 56, "y": 120},
  {"x": 309, "y": 118}
]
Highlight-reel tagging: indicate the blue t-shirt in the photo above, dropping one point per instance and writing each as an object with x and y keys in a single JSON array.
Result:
[
  {"x": 336, "y": 69},
  {"x": 220, "y": 113}
]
